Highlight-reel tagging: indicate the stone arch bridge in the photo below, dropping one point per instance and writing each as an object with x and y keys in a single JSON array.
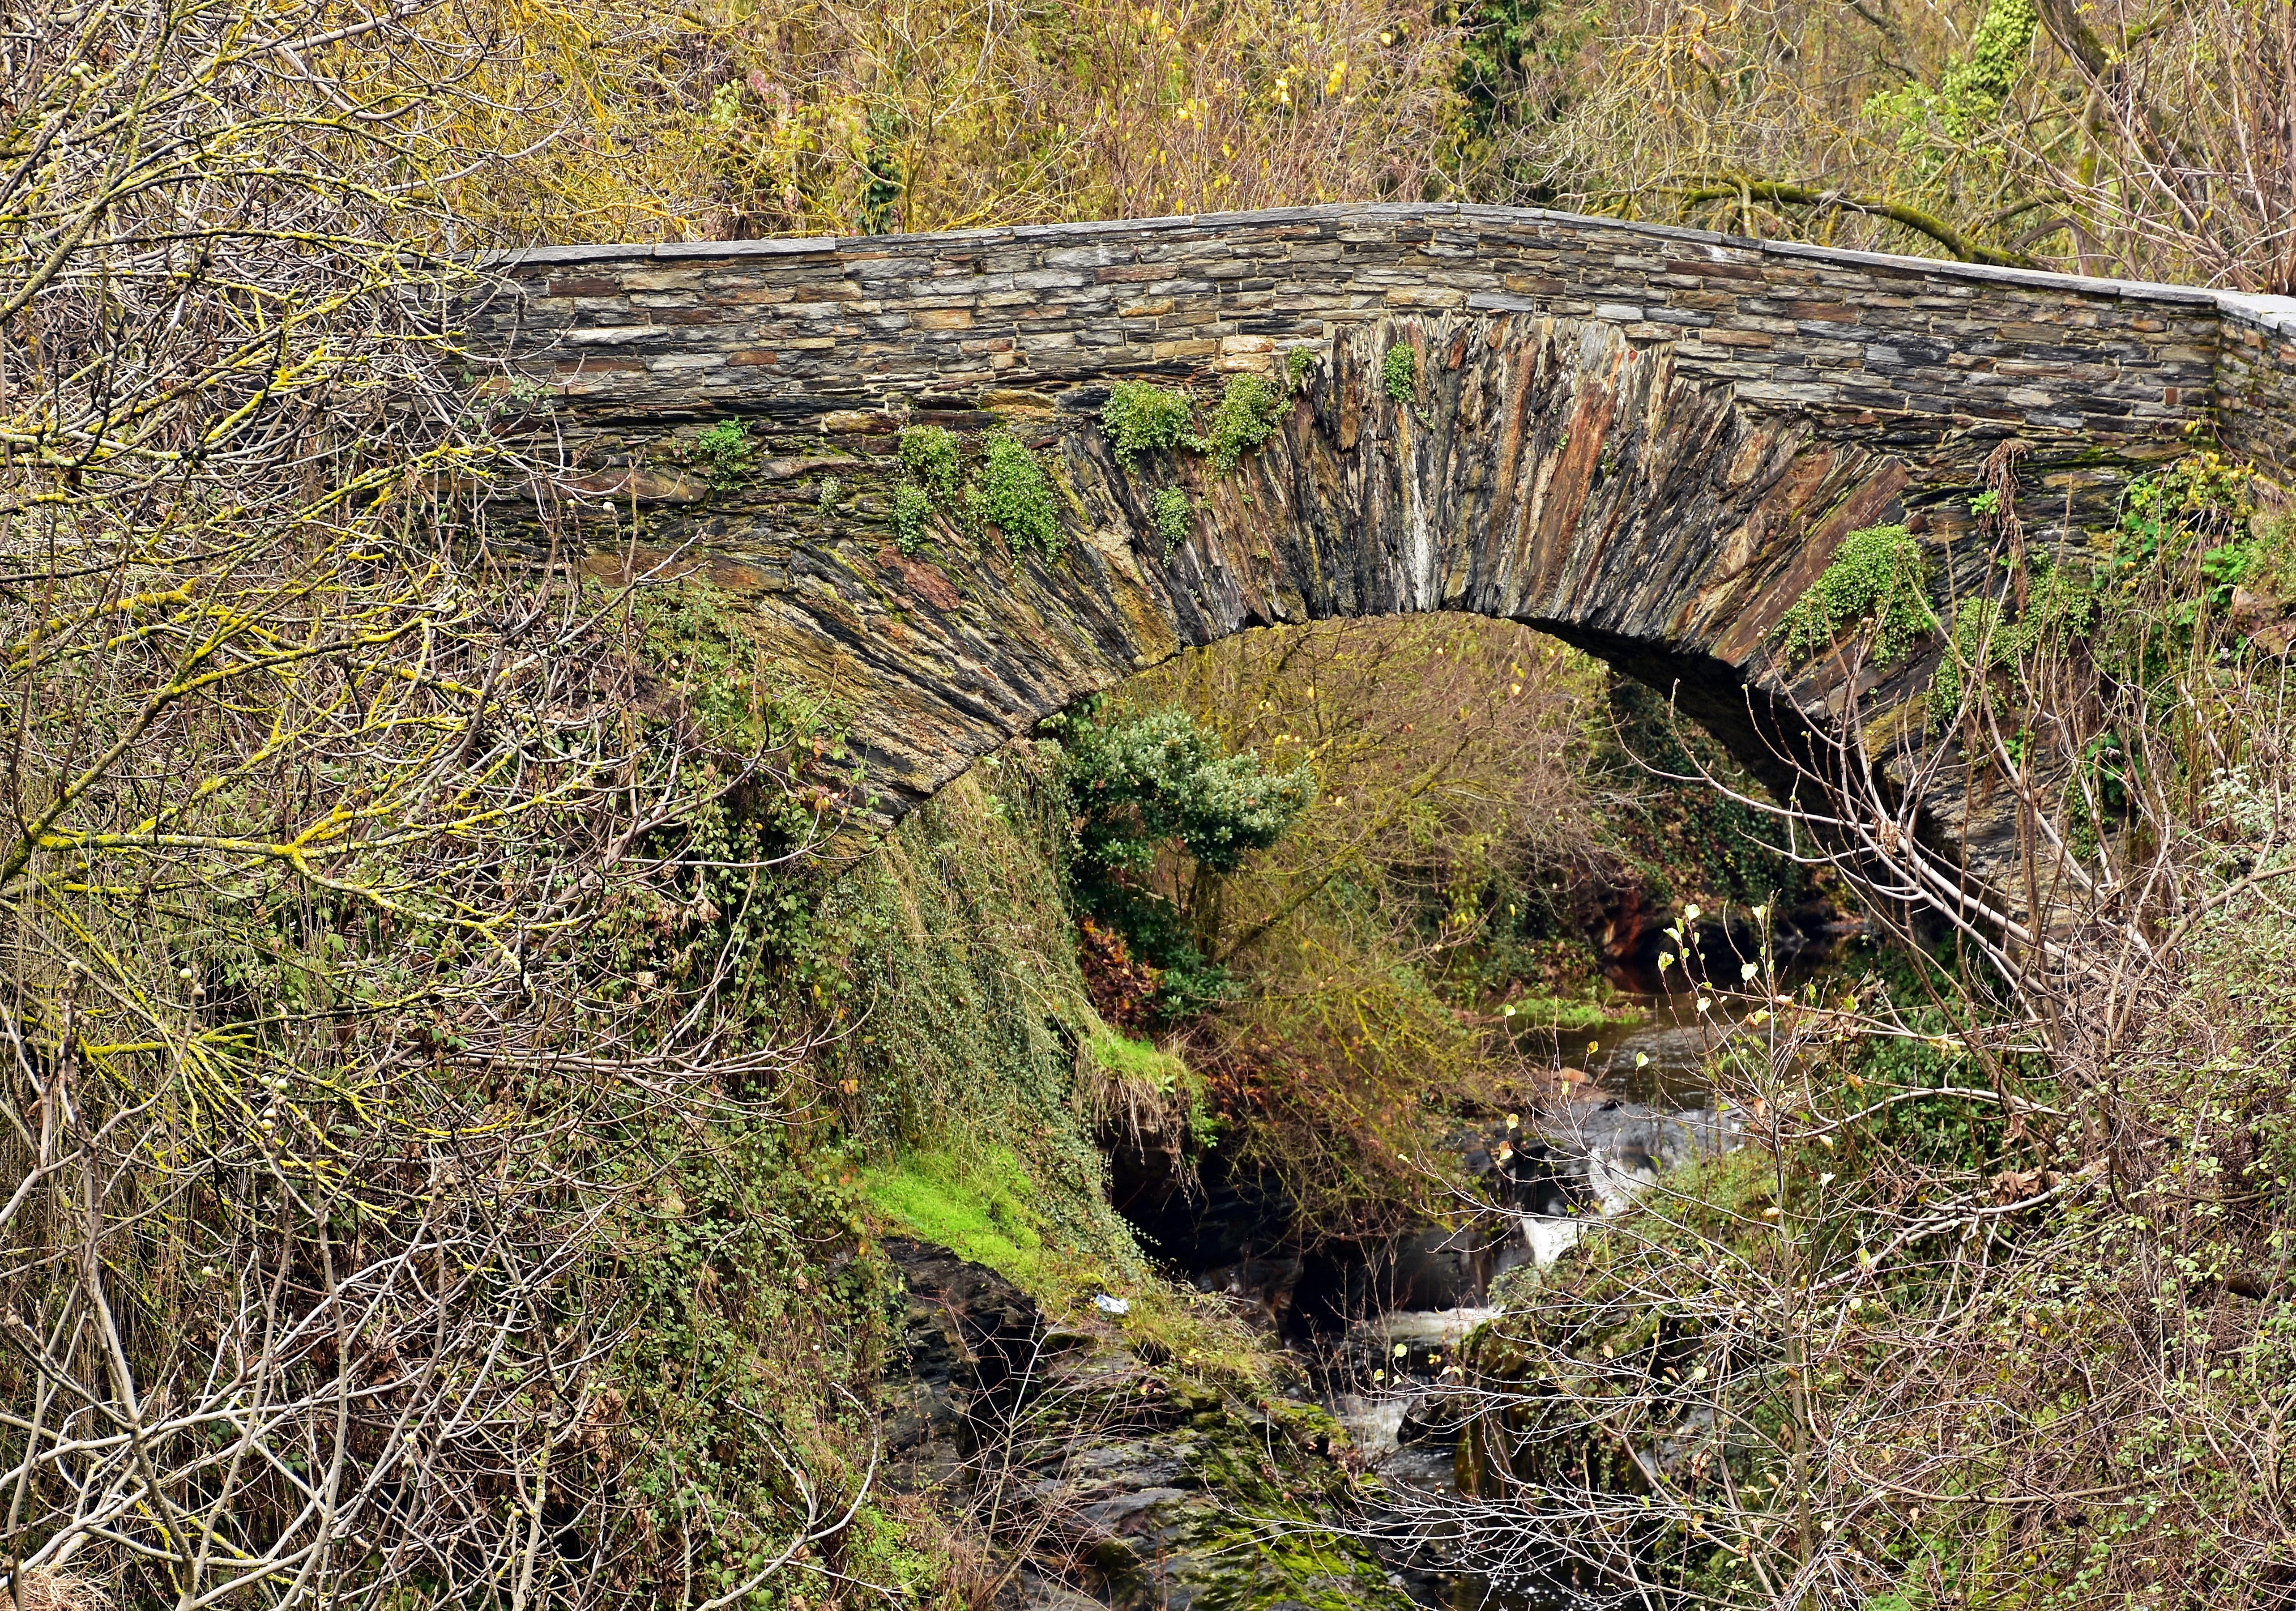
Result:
[{"x": 1647, "y": 441}]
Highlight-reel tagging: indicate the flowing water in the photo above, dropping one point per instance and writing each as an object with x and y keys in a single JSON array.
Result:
[{"x": 1640, "y": 1101}]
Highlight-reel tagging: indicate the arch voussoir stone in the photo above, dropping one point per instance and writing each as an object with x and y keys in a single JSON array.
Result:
[{"x": 1648, "y": 442}]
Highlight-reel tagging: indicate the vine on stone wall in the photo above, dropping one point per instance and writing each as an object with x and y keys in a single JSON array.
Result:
[{"x": 1878, "y": 578}]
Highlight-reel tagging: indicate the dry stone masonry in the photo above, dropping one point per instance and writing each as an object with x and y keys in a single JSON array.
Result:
[{"x": 1645, "y": 440}]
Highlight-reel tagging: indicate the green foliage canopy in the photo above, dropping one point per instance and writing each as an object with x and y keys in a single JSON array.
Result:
[{"x": 1161, "y": 777}]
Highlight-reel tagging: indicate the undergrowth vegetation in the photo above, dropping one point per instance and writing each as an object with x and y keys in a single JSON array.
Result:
[{"x": 1426, "y": 843}]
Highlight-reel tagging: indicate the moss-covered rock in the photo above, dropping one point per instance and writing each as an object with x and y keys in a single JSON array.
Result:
[{"x": 1145, "y": 1484}]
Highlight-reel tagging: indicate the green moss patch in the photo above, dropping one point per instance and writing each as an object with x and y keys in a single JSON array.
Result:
[{"x": 981, "y": 1204}]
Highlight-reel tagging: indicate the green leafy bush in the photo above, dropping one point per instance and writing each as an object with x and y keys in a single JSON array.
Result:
[
  {"x": 724, "y": 452},
  {"x": 1138, "y": 785},
  {"x": 1298, "y": 365},
  {"x": 1162, "y": 777},
  {"x": 1015, "y": 496},
  {"x": 912, "y": 507},
  {"x": 1143, "y": 417},
  {"x": 1879, "y": 575},
  {"x": 1398, "y": 372},
  {"x": 1245, "y": 417},
  {"x": 1169, "y": 508}
]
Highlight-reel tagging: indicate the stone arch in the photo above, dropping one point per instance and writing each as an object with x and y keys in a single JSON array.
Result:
[
  {"x": 1549, "y": 472},
  {"x": 1647, "y": 442}
]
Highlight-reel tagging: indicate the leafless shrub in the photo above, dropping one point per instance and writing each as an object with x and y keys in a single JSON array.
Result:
[{"x": 318, "y": 1105}]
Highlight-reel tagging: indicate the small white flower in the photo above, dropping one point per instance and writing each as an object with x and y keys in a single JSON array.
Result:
[
  {"x": 1747, "y": 970},
  {"x": 1704, "y": 1004}
]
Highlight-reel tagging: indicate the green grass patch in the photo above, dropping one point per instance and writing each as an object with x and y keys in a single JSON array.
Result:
[
  {"x": 982, "y": 1204},
  {"x": 1132, "y": 1059},
  {"x": 1567, "y": 1015}
]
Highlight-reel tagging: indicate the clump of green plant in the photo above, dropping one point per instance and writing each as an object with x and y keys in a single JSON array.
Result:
[
  {"x": 2196, "y": 513},
  {"x": 912, "y": 507},
  {"x": 930, "y": 458},
  {"x": 722, "y": 452},
  {"x": 931, "y": 471},
  {"x": 1879, "y": 575},
  {"x": 1398, "y": 372},
  {"x": 1015, "y": 496},
  {"x": 2061, "y": 605},
  {"x": 1169, "y": 508},
  {"x": 1246, "y": 417},
  {"x": 826, "y": 496},
  {"x": 1298, "y": 365},
  {"x": 1141, "y": 416}
]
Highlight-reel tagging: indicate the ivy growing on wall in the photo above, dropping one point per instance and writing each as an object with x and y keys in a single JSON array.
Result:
[
  {"x": 929, "y": 457},
  {"x": 2060, "y": 604},
  {"x": 1142, "y": 417},
  {"x": 1015, "y": 496},
  {"x": 912, "y": 507},
  {"x": 1878, "y": 578},
  {"x": 931, "y": 469}
]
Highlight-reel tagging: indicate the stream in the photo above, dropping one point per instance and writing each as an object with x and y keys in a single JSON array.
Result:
[{"x": 1375, "y": 1325}]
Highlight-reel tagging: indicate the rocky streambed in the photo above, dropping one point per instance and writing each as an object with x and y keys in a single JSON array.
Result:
[{"x": 1151, "y": 1482}]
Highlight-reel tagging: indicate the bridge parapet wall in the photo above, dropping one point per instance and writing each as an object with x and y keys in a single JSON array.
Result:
[
  {"x": 1874, "y": 344},
  {"x": 2256, "y": 381}
]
